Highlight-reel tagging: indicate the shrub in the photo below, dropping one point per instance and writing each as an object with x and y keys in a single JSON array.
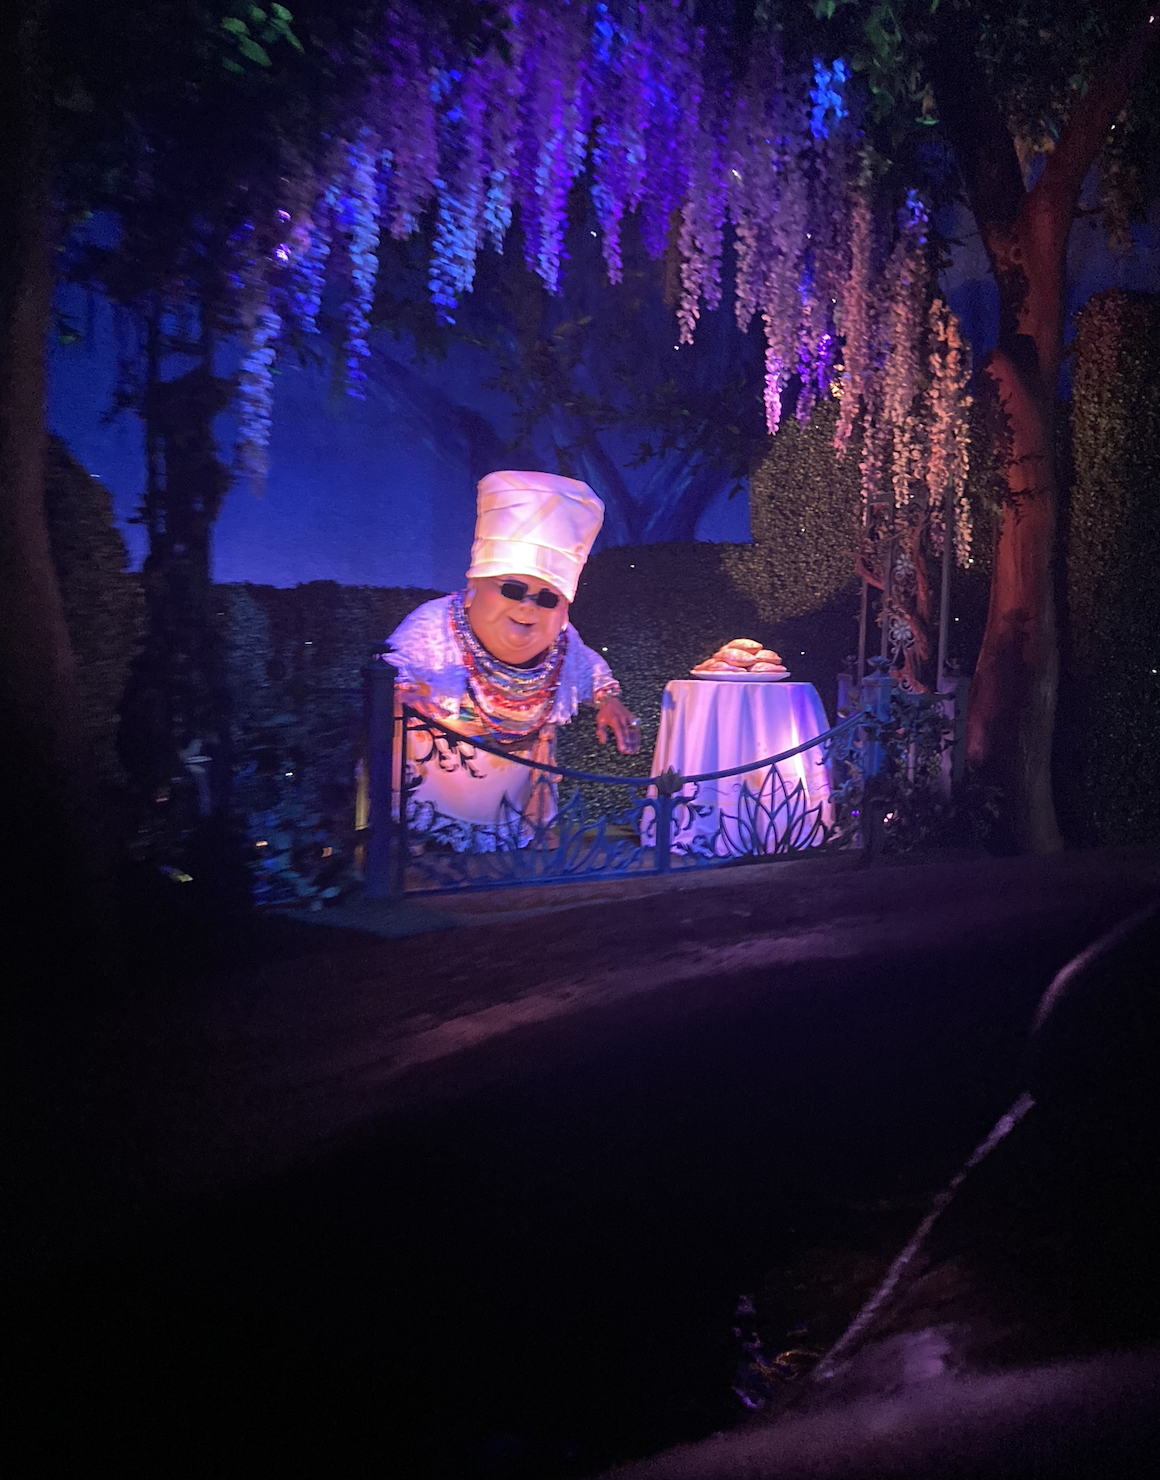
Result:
[
  {"x": 1107, "y": 782},
  {"x": 656, "y": 610},
  {"x": 103, "y": 602},
  {"x": 294, "y": 659}
]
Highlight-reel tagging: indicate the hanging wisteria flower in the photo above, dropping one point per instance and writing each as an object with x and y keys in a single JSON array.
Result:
[
  {"x": 702, "y": 232},
  {"x": 907, "y": 280},
  {"x": 949, "y": 461},
  {"x": 308, "y": 264},
  {"x": 460, "y": 135},
  {"x": 853, "y": 310},
  {"x": 673, "y": 96},
  {"x": 401, "y": 108},
  {"x": 827, "y": 97},
  {"x": 558, "y": 110},
  {"x": 622, "y": 83},
  {"x": 256, "y": 395},
  {"x": 501, "y": 147},
  {"x": 357, "y": 220},
  {"x": 458, "y": 222}
]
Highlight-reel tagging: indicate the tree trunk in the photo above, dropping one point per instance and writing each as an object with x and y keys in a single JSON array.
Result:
[
  {"x": 1012, "y": 710},
  {"x": 175, "y": 694},
  {"x": 49, "y": 795}
]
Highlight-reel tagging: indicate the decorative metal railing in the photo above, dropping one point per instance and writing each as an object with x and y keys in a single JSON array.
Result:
[{"x": 759, "y": 809}]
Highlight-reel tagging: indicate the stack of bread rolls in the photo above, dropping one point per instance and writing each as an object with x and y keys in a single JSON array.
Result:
[{"x": 742, "y": 655}]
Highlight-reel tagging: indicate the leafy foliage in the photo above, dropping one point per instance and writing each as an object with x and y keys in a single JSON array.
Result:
[
  {"x": 1110, "y": 694},
  {"x": 910, "y": 801},
  {"x": 1035, "y": 58},
  {"x": 254, "y": 31}
]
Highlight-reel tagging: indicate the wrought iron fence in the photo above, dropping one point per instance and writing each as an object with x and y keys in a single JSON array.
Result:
[{"x": 760, "y": 809}]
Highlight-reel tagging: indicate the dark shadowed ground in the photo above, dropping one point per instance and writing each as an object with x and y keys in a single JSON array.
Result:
[{"x": 481, "y": 1199}]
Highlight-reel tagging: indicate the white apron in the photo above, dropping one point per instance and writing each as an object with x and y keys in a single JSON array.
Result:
[{"x": 474, "y": 800}]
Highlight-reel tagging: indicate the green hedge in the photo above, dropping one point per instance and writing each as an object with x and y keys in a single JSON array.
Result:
[
  {"x": 103, "y": 601},
  {"x": 1107, "y": 782},
  {"x": 294, "y": 657},
  {"x": 805, "y": 514},
  {"x": 656, "y": 610},
  {"x": 659, "y": 609},
  {"x": 294, "y": 660}
]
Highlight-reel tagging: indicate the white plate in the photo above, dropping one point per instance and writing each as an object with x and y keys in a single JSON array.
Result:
[{"x": 741, "y": 677}]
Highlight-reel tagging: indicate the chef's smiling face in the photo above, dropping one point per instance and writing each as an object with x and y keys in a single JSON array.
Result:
[{"x": 514, "y": 631}]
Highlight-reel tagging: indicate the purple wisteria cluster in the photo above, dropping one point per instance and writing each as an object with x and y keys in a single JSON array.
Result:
[{"x": 635, "y": 93}]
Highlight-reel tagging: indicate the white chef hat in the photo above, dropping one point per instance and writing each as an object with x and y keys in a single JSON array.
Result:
[{"x": 535, "y": 524}]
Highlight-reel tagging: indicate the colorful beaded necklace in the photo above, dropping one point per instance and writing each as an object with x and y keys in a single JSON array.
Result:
[{"x": 512, "y": 703}]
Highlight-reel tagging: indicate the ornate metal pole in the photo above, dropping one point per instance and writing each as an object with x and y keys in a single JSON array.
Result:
[
  {"x": 668, "y": 784},
  {"x": 875, "y": 696},
  {"x": 381, "y": 767},
  {"x": 944, "y": 600},
  {"x": 864, "y": 608},
  {"x": 887, "y": 591}
]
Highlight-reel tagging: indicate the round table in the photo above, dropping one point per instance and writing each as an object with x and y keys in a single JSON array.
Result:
[{"x": 714, "y": 724}]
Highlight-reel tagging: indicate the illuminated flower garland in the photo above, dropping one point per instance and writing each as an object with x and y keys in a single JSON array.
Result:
[
  {"x": 906, "y": 279},
  {"x": 949, "y": 460},
  {"x": 634, "y": 91},
  {"x": 357, "y": 217},
  {"x": 702, "y": 234},
  {"x": 853, "y": 310},
  {"x": 256, "y": 394},
  {"x": 619, "y": 77},
  {"x": 402, "y": 108}
]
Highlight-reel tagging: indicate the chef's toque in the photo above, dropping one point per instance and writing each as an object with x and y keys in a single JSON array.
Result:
[{"x": 535, "y": 524}]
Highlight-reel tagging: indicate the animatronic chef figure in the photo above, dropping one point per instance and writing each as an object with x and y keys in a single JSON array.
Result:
[{"x": 499, "y": 660}]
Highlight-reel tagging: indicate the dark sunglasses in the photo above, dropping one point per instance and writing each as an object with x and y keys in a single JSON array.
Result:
[{"x": 517, "y": 591}]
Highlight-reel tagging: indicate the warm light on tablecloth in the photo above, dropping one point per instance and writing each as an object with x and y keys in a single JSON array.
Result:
[{"x": 709, "y": 725}]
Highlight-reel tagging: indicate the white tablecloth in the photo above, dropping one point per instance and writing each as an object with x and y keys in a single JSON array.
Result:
[{"x": 711, "y": 725}]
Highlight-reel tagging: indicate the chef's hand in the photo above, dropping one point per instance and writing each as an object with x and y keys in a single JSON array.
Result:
[{"x": 612, "y": 716}]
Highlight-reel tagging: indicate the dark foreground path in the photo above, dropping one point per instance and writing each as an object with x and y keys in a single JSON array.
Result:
[{"x": 482, "y": 1201}]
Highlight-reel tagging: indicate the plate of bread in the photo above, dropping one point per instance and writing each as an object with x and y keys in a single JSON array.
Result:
[{"x": 745, "y": 660}]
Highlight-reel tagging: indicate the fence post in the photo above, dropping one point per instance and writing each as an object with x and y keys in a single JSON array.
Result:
[
  {"x": 381, "y": 767},
  {"x": 400, "y": 846},
  {"x": 664, "y": 831},
  {"x": 955, "y": 694},
  {"x": 668, "y": 784},
  {"x": 877, "y": 689}
]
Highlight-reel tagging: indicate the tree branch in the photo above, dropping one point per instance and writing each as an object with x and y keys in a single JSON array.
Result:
[
  {"x": 1086, "y": 130},
  {"x": 978, "y": 132}
]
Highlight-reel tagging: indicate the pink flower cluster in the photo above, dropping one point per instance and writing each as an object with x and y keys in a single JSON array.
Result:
[{"x": 949, "y": 457}]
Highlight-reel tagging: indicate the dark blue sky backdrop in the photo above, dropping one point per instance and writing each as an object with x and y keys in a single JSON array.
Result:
[{"x": 382, "y": 491}]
